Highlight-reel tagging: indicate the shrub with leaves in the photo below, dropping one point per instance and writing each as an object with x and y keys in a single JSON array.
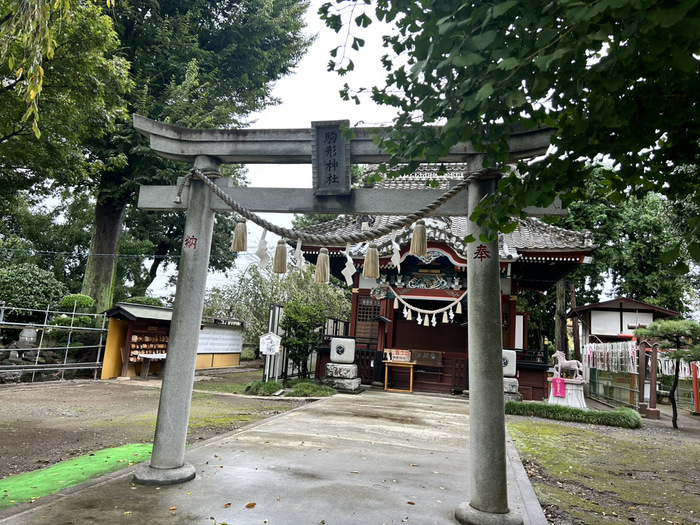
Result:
[
  {"x": 28, "y": 286},
  {"x": 621, "y": 417},
  {"x": 78, "y": 301},
  {"x": 142, "y": 299}
]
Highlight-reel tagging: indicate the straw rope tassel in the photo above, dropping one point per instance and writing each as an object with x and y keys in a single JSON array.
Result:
[
  {"x": 240, "y": 237},
  {"x": 279, "y": 264},
  {"x": 426, "y": 320},
  {"x": 370, "y": 270},
  {"x": 445, "y": 319},
  {"x": 323, "y": 266},
  {"x": 396, "y": 303},
  {"x": 459, "y": 307},
  {"x": 419, "y": 240}
]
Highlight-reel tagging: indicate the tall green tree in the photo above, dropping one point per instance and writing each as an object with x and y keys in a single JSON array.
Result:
[
  {"x": 681, "y": 339},
  {"x": 613, "y": 78},
  {"x": 31, "y": 31},
  {"x": 302, "y": 323},
  {"x": 249, "y": 295},
  {"x": 195, "y": 64},
  {"x": 80, "y": 96},
  {"x": 633, "y": 237}
]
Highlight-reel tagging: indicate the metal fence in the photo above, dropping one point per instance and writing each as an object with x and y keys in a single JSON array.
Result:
[
  {"x": 45, "y": 345},
  {"x": 612, "y": 372}
]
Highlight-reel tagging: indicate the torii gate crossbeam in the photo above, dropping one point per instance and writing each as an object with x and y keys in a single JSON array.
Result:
[{"x": 207, "y": 150}]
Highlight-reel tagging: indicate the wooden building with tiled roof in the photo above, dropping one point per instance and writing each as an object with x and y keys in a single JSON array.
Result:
[{"x": 420, "y": 303}]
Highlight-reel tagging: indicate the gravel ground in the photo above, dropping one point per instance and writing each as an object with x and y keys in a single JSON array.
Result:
[{"x": 44, "y": 423}]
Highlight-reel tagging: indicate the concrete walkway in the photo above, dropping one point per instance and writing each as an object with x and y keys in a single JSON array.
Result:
[{"x": 373, "y": 458}]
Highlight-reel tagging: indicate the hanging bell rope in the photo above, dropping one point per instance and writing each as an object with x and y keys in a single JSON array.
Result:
[
  {"x": 323, "y": 267},
  {"x": 279, "y": 263},
  {"x": 419, "y": 240},
  {"x": 339, "y": 240},
  {"x": 370, "y": 270},
  {"x": 240, "y": 237}
]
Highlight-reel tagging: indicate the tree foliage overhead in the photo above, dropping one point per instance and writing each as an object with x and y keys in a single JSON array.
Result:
[
  {"x": 634, "y": 238},
  {"x": 613, "y": 78},
  {"x": 195, "y": 64},
  {"x": 80, "y": 95},
  {"x": 31, "y": 31}
]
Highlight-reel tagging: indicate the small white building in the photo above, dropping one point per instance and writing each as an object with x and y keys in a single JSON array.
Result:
[{"x": 617, "y": 319}]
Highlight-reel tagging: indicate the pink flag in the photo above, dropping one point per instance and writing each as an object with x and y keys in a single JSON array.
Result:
[{"x": 558, "y": 387}]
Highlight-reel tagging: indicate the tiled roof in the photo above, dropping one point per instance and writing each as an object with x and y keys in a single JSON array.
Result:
[{"x": 530, "y": 235}]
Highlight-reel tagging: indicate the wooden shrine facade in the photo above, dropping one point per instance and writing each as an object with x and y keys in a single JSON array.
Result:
[{"x": 420, "y": 304}]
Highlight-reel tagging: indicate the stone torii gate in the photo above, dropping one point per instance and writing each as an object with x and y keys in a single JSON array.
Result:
[{"x": 206, "y": 150}]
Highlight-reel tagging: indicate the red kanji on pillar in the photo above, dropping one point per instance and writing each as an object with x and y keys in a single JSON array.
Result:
[{"x": 482, "y": 252}]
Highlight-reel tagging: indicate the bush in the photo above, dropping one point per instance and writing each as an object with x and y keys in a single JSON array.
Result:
[
  {"x": 77, "y": 301},
  {"x": 621, "y": 417},
  {"x": 142, "y": 299},
  {"x": 310, "y": 389},
  {"x": 248, "y": 354},
  {"x": 78, "y": 320},
  {"x": 28, "y": 286},
  {"x": 262, "y": 388},
  {"x": 296, "y": 388}
]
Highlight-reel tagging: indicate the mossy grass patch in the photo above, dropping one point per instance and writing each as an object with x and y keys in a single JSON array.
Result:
[{"x": 29, "y": 486}]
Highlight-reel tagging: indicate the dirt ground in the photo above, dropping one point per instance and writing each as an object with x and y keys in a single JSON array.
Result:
[{"x": 44, "y": 423}]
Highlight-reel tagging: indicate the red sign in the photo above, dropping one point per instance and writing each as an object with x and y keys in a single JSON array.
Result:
[{"x": 558, "y": 387}]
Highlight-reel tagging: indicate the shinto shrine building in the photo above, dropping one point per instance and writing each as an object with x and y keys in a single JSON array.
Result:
[{"x": 420, "y": 303}]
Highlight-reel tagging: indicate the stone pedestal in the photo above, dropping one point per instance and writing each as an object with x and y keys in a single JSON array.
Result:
[
  {"x": 510, "y": 389},
  {"x": 574, "y": 397},
  {"x": 342, "y": 376}
]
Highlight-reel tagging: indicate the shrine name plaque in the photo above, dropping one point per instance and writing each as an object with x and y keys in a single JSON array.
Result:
[
  {"x": 426, "y": 357},
  {"x": 330, "y": 158}
]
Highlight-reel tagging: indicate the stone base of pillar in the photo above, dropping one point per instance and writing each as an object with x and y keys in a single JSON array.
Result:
[
  {"x": 468, "y": 515},
  {"x": 653, "y": 413},
  {"x": 147, "y": 475},
  {"x": 342, "y": 384},
  {"x": 643, "y": 409},
  {"x": 341, "y": 371},
  {"x": 510, "y": 389}
]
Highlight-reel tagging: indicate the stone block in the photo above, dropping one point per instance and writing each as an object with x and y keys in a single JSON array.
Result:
[
  {"x": 509, "y": 359},
  {"x": 512, "y": 396},
  {"x": 341, "y": 371},
  {"x": 342, "y": 350},
  {"x": 342, "y": 384},
  {"x": 510, "y": 385}
]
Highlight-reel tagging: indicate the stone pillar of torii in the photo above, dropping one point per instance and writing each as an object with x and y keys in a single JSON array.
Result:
[{"x": 206, "y": 150}]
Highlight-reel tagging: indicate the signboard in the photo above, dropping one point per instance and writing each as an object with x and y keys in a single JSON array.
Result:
[
  {"x": 509, "y": 361},
  {"x": 427, "y": 357},
  {"x": 221, "y": 339},
  {"x": 270, "y": 344},
  {"x": 330, "y": 158},
  {"x": 400, "y": 355}
]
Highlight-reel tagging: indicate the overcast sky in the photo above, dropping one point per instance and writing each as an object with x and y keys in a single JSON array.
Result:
[{"x": 310, "y": 94}]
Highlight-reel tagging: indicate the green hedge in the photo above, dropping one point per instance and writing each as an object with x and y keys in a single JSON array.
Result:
[
  {"x": 621, "y": 417},
  {"x": 294, "y": 387}
]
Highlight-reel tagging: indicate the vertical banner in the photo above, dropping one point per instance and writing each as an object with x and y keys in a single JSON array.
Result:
[{"x": 558, "y": 387}]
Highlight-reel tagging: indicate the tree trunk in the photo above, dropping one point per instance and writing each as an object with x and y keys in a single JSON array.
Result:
[
  {"x": 574, "y": 326},
  {"x": 672, "y": 393},
  {"x": 561, "y": 343},
  {"x": 100, "y": 271}
]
